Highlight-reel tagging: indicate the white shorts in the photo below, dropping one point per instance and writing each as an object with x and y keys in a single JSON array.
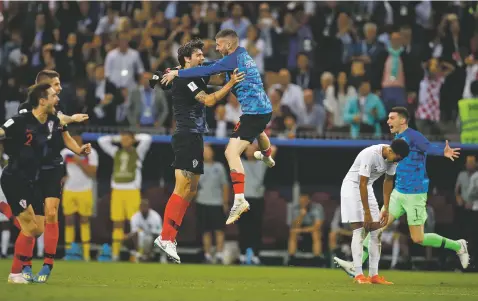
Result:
[{"x": 351, "y": 206}]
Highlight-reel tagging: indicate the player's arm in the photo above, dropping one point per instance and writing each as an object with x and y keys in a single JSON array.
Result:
[
  {"x": 65, "y": 119},
  {"x": 144, "y": 144},
  {"x": 211, "y": 99},
  {"x": 106, "y": 144},
  {"x": 71, "y": 144},
  {"x": 364, "y": 174},
  {"x": 2, "y": 134},
  {"x": 90, "y": 167},
  {"x": 387, "y": 190},
  {"x": 426, "y": 146},
  {"x": 10, "y": 127},
  {"x": 364, "y": 193}
]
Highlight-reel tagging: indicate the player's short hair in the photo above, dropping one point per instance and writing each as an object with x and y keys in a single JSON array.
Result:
[
  {"x": 474, "y": 88},
  {"x": 36, "y": 92},
  {"x": 46, "y": 75},
  {"x": 227, "y": 33},
  {"x": 400, "y": 147},
  {"x": 188, "y": 49},
  {"x": 401, "y": 111},
  {"x": 128, "y": 133}
]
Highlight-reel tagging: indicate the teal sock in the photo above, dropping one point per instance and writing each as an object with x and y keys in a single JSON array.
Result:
[
  {"x": 365, "y": 248},
  {"x": 436, "y": 241}
]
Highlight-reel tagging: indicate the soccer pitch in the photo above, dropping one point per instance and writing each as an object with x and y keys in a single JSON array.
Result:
[{"x": 143, "y": 282}]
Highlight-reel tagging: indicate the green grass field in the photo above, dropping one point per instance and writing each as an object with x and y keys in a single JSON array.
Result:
[{"x": 144, "y": 282}]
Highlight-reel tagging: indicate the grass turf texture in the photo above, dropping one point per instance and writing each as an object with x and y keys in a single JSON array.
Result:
[{"x": 143, "y": 282}]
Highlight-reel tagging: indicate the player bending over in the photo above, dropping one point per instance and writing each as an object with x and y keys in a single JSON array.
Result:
[
  {"x": 255, "y": 105},
  {"x": 359, "y": 208},
  {"x": 189, "y": 100},
  {"x": 411, "y": 188},
  {"x": 52, "y": 173}
]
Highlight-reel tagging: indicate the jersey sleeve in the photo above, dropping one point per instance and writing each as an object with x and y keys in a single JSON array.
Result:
[
  {"x": 391, "y": 169},
  {"x": 226, "y": 64},
  {"x": 93, "y": 158},
  {"x": 12, "y": 126},
  {"x": 365, "y": 165},
  {"x": 426, "y": 146},
  {"x": 193, "y": 87}
]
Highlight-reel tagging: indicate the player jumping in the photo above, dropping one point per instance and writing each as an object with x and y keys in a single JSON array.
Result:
[
  {"x": 359, "y": 207},
  {"x": 255, "y": 105},
  {"x": 410, "y": 193},
  {"x": 189, "y": 100}
]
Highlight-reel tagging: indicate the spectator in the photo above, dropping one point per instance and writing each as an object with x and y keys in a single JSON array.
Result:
[
  {"x": 123, "y": 63},
  {"x": 306, "y": 224},
  {"x": 212, "y": 205},
  {"x": 146, "y": 225},
  {"x": 428, "y": 111},
  {"x": 364, "y": 112},
  {"x": 335, "y": 102},
  {"x": 346, "y": 36},
  {"x": 340, "y": 236},
  {"x": 293, "y": 97},
  {"x": 326, "y": 87},
  {"x": 223, "y": 126},
  {"x": 313, "y": 120},
  {"x": 464, "y": 202},
  {"x": 148, "y": 107},
  {"x": 290, "y": 126},
  {"x": 412, "y": 57},
  {"x": 233, "y": 109},
  {"x": 357, "y": 74},
  {"x": 471, "y": 75},
  {"x": 250, "y": 225},
  {"x": 165, "y": 59},
  {"x": 158, "y": 27},
  {"x": 368, "y": 49},
  {"x": 237, "y": 22},
  {"x": 276, "y": 124},
  {"x": 210, "y": 25},
  {"x": 303, "y": 76},
  {"x": 255, "y": 47},
  {"x": 87, "y": 23},
  {"x": 472, "y": 211},
  {"x": 109, "y": 23}
]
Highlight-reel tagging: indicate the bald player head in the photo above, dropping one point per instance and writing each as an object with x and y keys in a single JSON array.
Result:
[{"x": 227, "y": 41}]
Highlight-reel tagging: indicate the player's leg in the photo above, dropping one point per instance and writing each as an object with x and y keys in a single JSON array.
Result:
[
  {"x": 7, "y": 211},
  {"x": 70, "y": 208},
  {"x": 118, "y": 216},
  {"x": 265, "y": 153},
  {"x": 132, "y": 243},
  {"x": 5, "y": 235},
  {"x": 51, "y": 230},
  {"x": 203, "y": 224},
  {"x": 415, "y": 206},
  {"x": 85, "y": 209}
]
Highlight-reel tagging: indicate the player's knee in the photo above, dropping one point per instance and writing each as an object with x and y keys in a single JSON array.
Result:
[
  {"x": 230, "y": 153},
  {"x": 51, "y": 215},
  {"x": 418, "y": 239},
  {"x": 69, "y": 220},
  {"x": 84, "y": 220},
  {"x": 118, "y": 225}
]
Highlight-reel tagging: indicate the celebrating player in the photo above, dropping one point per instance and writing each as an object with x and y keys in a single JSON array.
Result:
[
  {"x": 410, "y": 193},
  {"x": 189, "y": 98},
  {"x": 52, "y": 173},
  {"x": 255, "y": 105},
  {"x": 359, "y": 207}
]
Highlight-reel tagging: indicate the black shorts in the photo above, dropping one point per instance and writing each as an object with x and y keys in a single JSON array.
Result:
[
  {"x": 210, "y": 218},
  {"x": 250, "y": 127},
  {"x": 51, "y": 182},
  {"x": 21, "y": 193},
  {"x": 188, "y": 151}
]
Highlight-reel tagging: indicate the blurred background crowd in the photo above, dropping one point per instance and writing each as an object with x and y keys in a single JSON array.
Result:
[{"x": 331, "y": 69}]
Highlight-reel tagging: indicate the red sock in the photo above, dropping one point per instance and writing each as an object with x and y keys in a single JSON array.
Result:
[
  {"x": 173, "y": 216},
  {"x": 17, "y": 223},
  {"x": 267, "y": 152},
  {"x": 238, "y": 180},
  {"x": 23, "y": 252},
  {"x": 6, "y": 210},
  {"x": 51, "y": 241},
  {"x": 29, "y": 262}
]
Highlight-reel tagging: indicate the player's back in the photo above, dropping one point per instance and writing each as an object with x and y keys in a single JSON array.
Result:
[
  {"x": 189, "y": 114},
  {"x": 411, "y": 176},
  {"x": 250, "y": 92},
  {"x": 369, "y": 161}
]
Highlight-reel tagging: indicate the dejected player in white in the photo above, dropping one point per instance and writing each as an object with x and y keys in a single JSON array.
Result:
[{"x": 359, "y": 207}]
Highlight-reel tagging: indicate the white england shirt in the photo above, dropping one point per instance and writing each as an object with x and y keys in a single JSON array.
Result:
[
  {"x": 152, "y": 225},
  {"x": 77, "y": 180}
]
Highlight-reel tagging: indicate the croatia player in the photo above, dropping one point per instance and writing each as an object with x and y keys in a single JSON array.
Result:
[
  {"x": 358, "y": 205},
  {"x": 189, "y": 100},
  {"x": 255, "y": 105},
  {"x": 411, "y": 187}
]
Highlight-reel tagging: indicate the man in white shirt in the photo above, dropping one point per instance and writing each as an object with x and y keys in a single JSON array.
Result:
[
  {"x": 359, "y": 207},
  {"x": 146, "y": 224},
  {"x": 78, "y": 196},
  {"x": 293, "y": 96}
]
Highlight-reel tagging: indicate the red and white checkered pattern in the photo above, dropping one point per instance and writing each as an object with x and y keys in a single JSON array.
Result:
[{"x": 429, "y": 98}]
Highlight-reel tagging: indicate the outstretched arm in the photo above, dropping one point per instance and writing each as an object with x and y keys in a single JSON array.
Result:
[
  {"x": 426, "y": 146},
  {"x": 65, "y": 119}
]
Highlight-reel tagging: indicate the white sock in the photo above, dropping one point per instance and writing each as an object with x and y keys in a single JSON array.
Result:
[
  {"x": 395, "y": 251},
  {"x": 40, "y": 246},
  {"x": 5, "y": 241},
  {"x": 374, "y": 250},
  {"x": 357, "y": 249},
  {"x": 239, "y": 197}
]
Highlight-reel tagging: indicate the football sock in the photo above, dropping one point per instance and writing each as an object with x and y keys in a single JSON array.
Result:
[
  {"x": 85, "y": 233},
  {"x": 5, "y": 241},
  {"x": 267, "y": 152},
  {"x": 365, "y": 248},
  {"x": 69, "y": 235},
  {"x": 41, "y": 245},
  {"x": 374, "y": 249},
  {"x": 5, "y": 209},
  {"x": 16, "y": 223},
  {"x": 23, "y": 252},
  {"x": 51, "y": 242},
  {"x": 173, "y": 216},
  {"x": 436, "y": 241},
  {"x": 395, "y": 252},
  {"x": 118, "y": 236},
  {"x": 357, "y": 249},
  {"x": 238, "y": 180}
]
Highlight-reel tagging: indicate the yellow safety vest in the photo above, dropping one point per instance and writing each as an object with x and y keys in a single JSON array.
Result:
[{"x": 468, "y": 109}]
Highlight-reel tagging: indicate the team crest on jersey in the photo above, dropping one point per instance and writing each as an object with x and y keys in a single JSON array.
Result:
[
  {"x": 23, "y": 203},
  {"x": 195, "y": 163},
  {"x": 50, "y": 128}
]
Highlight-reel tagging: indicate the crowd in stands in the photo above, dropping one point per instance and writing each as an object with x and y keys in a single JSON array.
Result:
[{"x": 328, "y": 67}]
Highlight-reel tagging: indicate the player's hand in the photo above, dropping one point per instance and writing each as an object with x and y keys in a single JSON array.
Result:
[
  {"x": 367, "y": 221},
  {"x": 79, "y": 117},
  {"x": 451, "y": 153},
  {"x": 303, "y": 212},
  {"x": 237, "y": 76},
  {"x": 168, "y": 77},
  {"x": 85, "y": 149},
  {"x": 384, "y": 218}
]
